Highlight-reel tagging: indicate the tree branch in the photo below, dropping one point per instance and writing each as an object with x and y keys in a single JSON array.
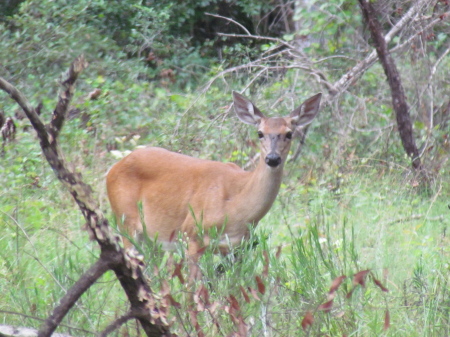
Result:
[
  {"x": 30, "y": 112},
  {"x": 118, "y": 323},
  {"x": 128, "y": 268},
  {"x": 100, "y": 267},
  {"x": 360, "y": 68},
  {"x": 65, "y": 95}
]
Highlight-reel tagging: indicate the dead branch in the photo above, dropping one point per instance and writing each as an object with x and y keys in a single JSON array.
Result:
[
  {"x": 118, "y": 323},
  {"x": 231, "y": 20},
  {"x": 361, "y": 67},
  {"x": 127, "y": 268}
]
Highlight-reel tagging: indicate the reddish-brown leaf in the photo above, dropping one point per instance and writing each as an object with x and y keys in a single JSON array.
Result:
[
  {"x": 336, "y": 283},
  {"x": 244, "y": 293},
  {"x": 326, "y": 306},
  {"x": 172, "y": 236},
  {"x": 278, "y": 253},
  {"x": 204, "y": 294},
  {"x": 387, "y": 320},
  {"x": 93, "y": 95},
  {"x": 173, "y": 302},
  {"x": 359, "y": 278},
  {"x": 242, "y": 327},
  {"x": 254, "y": 293},
  {"x": 234, "y": 303},
  {"x": 260, "y": 284},
  {"x": 201, "y": 250},
  {"x": 165, "y": 288},
  {"x": 212, "y": 308},
  {"x": 265, "y": 272},
  {"x": 197, "y": 300},
  {"x": 308, "y": 320},
  {"x": 380, "y": 285},
  {"x": 350, "y": 293},
  {"x": 194, "y": 322},
  {"x": 177, "y": 272}
]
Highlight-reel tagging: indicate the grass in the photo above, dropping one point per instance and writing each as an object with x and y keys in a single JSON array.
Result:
[
  {"x": 328, "y": 220},
  {"x": 373, "y": 220}
]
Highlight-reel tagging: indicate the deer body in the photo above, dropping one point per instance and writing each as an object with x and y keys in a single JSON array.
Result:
[{"x": 179, "y": 192}]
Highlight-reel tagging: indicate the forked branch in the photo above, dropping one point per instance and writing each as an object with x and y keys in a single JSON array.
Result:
[{"x": 128, "y": 269}]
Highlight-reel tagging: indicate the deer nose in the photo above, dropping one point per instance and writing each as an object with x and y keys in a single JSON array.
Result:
[{"x": 273, "y": 160}]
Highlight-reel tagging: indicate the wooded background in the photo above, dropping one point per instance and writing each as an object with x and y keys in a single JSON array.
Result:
[{"x": 366, "y": 186}]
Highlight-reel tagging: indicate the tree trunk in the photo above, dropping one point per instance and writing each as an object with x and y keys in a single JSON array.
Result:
[{"x": 398, "y": 94}]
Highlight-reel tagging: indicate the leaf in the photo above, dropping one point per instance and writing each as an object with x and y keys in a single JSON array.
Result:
[
  {"x": 172, "y": 236},
  {"x": 350, "y": 293},
  {"x": 177, "y": 272},
  {"x": 234, "y": 303},
  {"x": 326, "y": 306},
  {"x": 244, "y": 293},
  {"x": 260, "y": 284},
  {"x": 93, "y": 95},
  {"x": 173, "y": 302},
  {"x": 387, "y": 320},
  {"x": 254, "y": 293},
  {"x": 194, "y": 322},
  {"x": 380, "y": 285},
  {"x": 307, "y": 320},
  {"x": 201, "y": 250},
  {"x": 242, "y": 327},
  {"x": 165, "y": 288},
  {"x": 359, "y": 278},
  {"x": 278, "y": 253},
  {"x": 336, "y": 283},
  {"x": 204, "y": 294}
]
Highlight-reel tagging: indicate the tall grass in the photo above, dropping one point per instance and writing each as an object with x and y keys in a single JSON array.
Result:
[{"x": 314, "y": 233}]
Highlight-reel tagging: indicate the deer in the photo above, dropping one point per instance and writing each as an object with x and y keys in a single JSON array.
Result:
[{"x": 179, "y": 193}]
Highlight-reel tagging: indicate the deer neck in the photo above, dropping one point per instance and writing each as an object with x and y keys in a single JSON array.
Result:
[{"x": 262, "y": 189}]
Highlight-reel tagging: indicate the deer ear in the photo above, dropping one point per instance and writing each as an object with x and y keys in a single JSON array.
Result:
[
  {"x": 246, "y": 110},
  {"x": 306, "y": 112}
]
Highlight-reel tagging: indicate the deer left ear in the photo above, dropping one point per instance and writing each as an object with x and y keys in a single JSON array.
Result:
[
  {"x": 306, "y": 112},
  {"x": 246, "y": 110}
]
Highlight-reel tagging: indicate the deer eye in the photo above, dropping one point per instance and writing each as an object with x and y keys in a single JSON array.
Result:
[
  {"x": 289, "y": 135},
  {"x": 260, "y": 135}
]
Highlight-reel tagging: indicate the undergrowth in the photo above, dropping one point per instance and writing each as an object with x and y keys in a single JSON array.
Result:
[{"x": 376, "y": 222}]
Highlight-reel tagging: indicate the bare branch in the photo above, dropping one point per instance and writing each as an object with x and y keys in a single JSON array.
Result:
[
  {"x": 68, "y": 301},
  {"x": 231, "y": 20},
  {"x": 257, "y": 37},
  {"x": 65, "y": 95},
  {"x": 30, "y": 112},
  {"x": 360, "y": 68},
  {"x": 118, "y": 323},
  {"x": 128, "y": 268}
]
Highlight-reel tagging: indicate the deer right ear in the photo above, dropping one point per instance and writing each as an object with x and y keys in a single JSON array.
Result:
[
  {"x": 246, "y": 110},
  {"x": 306, "y": 112}
]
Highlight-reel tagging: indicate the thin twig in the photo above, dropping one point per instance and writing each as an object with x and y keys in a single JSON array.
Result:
[
  {"x": 231, "y": 20},
  {"x": 117, "y": 323}
]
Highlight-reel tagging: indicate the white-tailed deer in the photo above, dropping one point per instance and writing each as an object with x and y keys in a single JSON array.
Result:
[{"x": 174, "y": 188}]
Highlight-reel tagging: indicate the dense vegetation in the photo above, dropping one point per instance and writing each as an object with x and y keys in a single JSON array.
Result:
[{"x": 161, "y": 73}]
